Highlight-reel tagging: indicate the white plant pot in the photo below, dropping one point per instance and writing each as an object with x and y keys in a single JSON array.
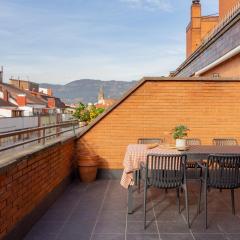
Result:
[{"x": 181, "y": 144}]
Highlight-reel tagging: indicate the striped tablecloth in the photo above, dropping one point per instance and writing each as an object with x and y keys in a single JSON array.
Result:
[{"x": 137, "y": 153}]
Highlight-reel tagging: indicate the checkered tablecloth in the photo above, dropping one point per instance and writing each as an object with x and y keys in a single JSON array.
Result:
[{"x": 135, "y": 154}]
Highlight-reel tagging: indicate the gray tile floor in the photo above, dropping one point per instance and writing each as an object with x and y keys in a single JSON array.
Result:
[{"x": 98, "y": 211}]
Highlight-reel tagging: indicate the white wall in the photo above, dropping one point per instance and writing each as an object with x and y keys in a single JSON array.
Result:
[
  {"x": 5, "y": 113},
  {"x": 43, "y": 90},
  {"x": 67, "y": 117},
  {"x": 11, "y": 124}
]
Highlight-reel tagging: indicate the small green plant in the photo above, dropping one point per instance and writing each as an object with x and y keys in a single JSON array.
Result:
[
  {"x": 180, "y": 132},
  {"x": 85, "y": 113},
  {"x": 95, "y": 112},
  {"x": 82, "y": 113}
]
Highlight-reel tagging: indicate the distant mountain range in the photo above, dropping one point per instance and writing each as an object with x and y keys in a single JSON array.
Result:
[{"x": 86, "y": 90}]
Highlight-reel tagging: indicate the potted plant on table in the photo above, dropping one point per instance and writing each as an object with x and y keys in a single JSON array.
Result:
[{"x": 179, "y": 134}]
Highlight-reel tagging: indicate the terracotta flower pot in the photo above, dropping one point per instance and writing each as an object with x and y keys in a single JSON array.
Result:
[{"x": 87, "y": 168}]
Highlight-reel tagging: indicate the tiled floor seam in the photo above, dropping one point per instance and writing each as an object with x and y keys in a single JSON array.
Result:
[
  {"x": 223, "y": 233},
  {"x": 154, "y": 213},
  {"x": 68, "y": 217},
  {"x": 125, "y": 236},
  {"x": 100, "y": 209},
  {"x": 185, "y": 220}
]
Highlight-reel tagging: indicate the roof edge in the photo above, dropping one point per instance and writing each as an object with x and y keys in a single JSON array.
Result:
[{"x": 210, "y": 39}]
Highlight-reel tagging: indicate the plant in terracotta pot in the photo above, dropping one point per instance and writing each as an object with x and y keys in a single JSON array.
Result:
[
  {"x": 82, "y": 114},
  {"x": 86, "y": 113},
  {"x": 179, "y": 133}
]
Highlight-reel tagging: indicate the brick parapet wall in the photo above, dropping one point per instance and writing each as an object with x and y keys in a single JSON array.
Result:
[
  {"x": 27, "y": 181},
  {"x": 209, "y": 108}
]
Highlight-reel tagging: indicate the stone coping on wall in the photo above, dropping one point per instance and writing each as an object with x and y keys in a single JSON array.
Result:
[{"x": 10, "y": 158}]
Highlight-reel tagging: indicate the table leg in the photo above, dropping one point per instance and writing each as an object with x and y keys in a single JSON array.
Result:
[{"x": 130, "y": 199}]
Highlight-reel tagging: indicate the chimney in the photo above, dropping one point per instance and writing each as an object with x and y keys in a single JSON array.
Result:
[
  {"x": 49, "y": 92},
  {"x": 5, "y": 95},
  {"x": 1, "y": 74},
  {"x": 196, "y": 13},
  {"x": 21, "y": 100},
  {"x": 51, "y": 103},
  {"x": 194, "y": 28}
]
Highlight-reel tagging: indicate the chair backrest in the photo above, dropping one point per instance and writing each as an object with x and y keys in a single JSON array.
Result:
[
  {"x": 225, "y": 142},
  {"x": 149, "y": 140},
  {"x": 223, "y": 171},
  {"x": 193, "y": 141},
  {"x": 166, "y": 171}
]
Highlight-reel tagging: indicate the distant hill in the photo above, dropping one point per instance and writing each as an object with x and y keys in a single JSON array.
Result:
[{"x": 86, "y": 90}]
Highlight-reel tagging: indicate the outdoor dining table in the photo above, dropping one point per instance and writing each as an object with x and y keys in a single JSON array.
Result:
[{"x": 137, "y": 153}]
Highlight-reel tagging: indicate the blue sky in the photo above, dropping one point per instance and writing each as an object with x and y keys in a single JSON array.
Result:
[{"x": 57, "y": 41}]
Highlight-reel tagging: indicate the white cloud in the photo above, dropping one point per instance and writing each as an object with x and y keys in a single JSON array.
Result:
[{"x": 163, "y": 5}]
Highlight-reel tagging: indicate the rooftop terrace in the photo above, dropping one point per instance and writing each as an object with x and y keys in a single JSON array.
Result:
[{"x": 32, "y": 182}]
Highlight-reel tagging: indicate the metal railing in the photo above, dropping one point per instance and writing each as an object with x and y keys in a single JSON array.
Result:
[{"x": 42, "y": 136}]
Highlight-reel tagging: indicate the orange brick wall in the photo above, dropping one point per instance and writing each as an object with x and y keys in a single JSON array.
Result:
[
  {"x": 230, "y": 68},
  {"x": 24, "y": 185},
  {"x": 207, "y": 24},
  {"x": 225, "y": 6},
  {"x": 198, "y": 28},
  {"x": 209, "y": 109}
]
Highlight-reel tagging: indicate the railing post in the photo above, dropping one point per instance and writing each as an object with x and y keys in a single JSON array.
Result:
[
  {"x": 44, "y": 135},
  {"x": 74, "y": 130}
]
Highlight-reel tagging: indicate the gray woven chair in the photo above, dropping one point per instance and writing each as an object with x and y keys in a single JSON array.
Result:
[
  {"x": 165, "y": 172},
  {"x": 190, "y": 163},
  {"x": 150, "y": 140},
  {"x": 225, "y": 141},
  {"x": 220, "y": 172},
  {"x": 193, "y": 142},
  {"x": 145, "y": 141}
]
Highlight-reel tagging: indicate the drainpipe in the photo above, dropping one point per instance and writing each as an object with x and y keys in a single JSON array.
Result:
[{"x": 222, "y": 59}]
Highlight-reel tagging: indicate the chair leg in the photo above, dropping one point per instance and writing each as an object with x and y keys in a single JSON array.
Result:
[
  {"x": 205, "y": 204},
  {"x": 139, "y": 180},
  {"x": 196, "y": 170},
  {"x": 186, "y": 203},
  {"x": 178, "y": 200},
  {"x": 166, "y": 190},
  {"x": 200, "y": 198},
  {"x": 145, "y": 202},
  {"x": 233, "y": 201}
]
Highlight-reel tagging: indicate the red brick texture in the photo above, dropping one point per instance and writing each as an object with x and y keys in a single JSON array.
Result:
[
  {"x": 25, "y": 184},
  {"x": 21, "y": 100},
  {"x": 209, "y": 108}
]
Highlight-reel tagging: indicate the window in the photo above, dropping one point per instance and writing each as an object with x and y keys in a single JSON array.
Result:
[{"x": 216, "y": 75}]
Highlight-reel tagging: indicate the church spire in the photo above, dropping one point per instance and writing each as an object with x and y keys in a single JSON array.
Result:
[{"x": 101, "y": 95}]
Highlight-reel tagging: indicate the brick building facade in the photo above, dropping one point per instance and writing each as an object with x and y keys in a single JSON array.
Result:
[{"x": 214, "y": 53}]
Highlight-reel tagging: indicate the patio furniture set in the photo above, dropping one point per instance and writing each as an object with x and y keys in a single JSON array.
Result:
[{"x": 215, "y": 166}]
